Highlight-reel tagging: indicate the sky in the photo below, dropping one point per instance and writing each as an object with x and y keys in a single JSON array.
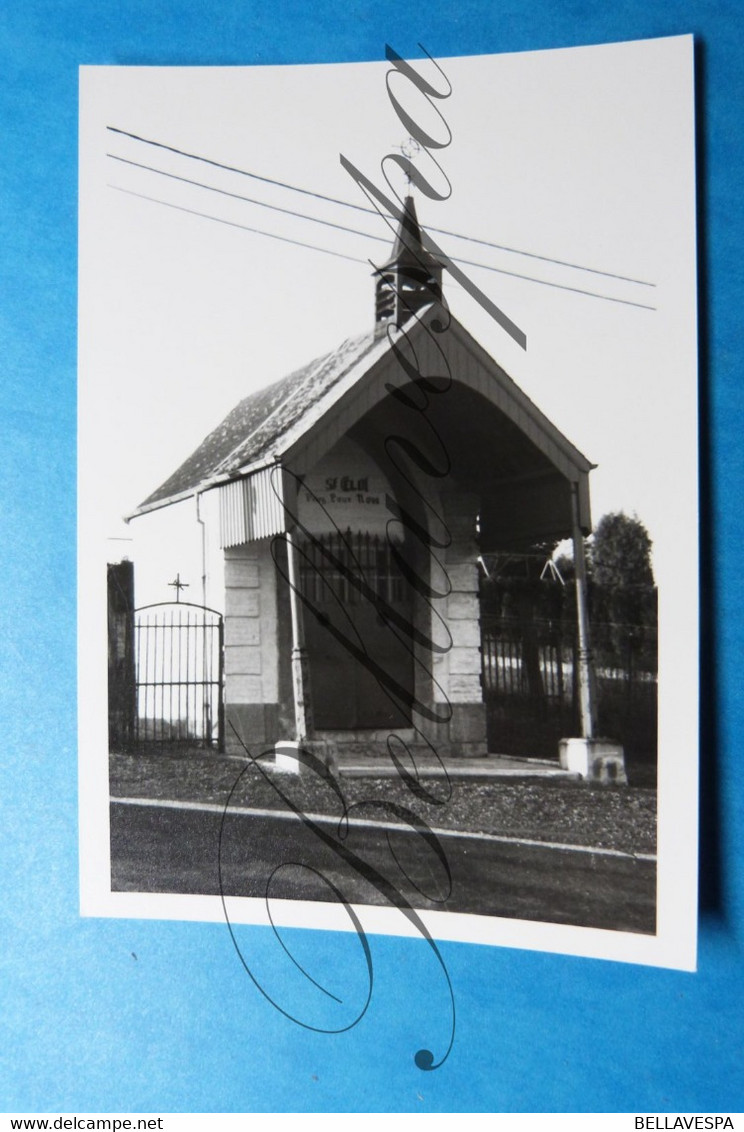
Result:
[{"x": 577, "y": 157}]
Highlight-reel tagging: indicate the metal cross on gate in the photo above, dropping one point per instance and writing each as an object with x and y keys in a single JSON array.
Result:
[{"x": 178, "y": 585}]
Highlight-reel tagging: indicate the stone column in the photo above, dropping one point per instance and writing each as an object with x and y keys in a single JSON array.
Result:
[
  {"x": 251, "y": 648},
  {"x": 458, "y": 672}
]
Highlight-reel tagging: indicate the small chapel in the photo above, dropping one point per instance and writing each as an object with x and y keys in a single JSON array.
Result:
[{"x": 357, "y": 498}]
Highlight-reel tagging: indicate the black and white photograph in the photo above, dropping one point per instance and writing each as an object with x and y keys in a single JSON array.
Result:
[{"x": 388, "y": 497}]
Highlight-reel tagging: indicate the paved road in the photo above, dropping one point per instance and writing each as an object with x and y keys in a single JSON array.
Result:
[{"x": 164, "y": 849}]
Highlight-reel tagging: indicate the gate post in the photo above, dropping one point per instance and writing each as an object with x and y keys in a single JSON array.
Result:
[
  {"x": 121, "y": 669},
  {"x": 585, "y": 675}
]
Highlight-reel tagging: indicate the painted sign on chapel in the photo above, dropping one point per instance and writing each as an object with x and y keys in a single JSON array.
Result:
[{"x": 344, "y": 491}]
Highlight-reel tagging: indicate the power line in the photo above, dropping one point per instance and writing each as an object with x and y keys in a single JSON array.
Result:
[
  {"x": 250, "y": 200},
  {"x": 234, "y": 224},
  {"x": 556, "y": 286},
  {"x": 343, "y": 228},
  {"x": 371, "y": 211}
]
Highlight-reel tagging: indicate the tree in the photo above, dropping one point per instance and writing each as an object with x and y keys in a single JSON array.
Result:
[
  {"x": 620, "y": 552},
  {"x": 622, "y": 593}
]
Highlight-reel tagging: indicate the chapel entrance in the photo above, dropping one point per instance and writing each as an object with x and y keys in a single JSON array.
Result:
[{"x": 356, "y": 598}]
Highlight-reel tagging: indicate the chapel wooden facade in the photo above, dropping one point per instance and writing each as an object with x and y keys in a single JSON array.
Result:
[{"x": 356, "y": 496}]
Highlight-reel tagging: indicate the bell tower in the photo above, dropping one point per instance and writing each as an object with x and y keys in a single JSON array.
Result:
[{"x": 410, "y": 279}]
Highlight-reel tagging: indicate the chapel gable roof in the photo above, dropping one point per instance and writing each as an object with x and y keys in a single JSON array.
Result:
[
  {"x": 252, "y": 429},
  {"x": 267, "y": 424}
]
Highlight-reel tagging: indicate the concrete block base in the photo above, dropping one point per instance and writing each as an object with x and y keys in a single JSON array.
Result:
[
  {"x": 463, "y": 735},
  {"x": 254, "y": 725},
  {"x": 286, "y": 759},
  {"x": 597, "y": 760},
  {"x": 467, "y": 728}
]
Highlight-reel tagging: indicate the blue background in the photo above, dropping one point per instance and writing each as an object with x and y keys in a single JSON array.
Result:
[{"x": 180, "y": 1028}]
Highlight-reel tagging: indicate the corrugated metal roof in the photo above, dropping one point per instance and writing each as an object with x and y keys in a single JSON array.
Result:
[{"x": 256, "y": 424}]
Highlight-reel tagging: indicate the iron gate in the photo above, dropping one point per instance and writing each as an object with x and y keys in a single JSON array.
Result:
[
  {"x": 179, "y": 670},
  {"x": 528, "y": 684}
]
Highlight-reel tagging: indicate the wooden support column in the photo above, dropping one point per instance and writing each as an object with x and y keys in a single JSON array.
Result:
[
  {"x": 298, "y": 655},
  {"x": 600, "y": 760},
  {"x": 585, "y": 674}
]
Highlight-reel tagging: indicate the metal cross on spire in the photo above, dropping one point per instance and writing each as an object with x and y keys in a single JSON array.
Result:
[
  {"x": 178, "y": 585},
  {"x": 409, "y": 149}
]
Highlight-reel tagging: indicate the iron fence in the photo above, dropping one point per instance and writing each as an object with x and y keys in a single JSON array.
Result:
[{"x": 529, "y": 663}]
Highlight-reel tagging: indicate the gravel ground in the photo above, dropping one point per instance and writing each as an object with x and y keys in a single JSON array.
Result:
[{"x": 557, "y": 810}]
